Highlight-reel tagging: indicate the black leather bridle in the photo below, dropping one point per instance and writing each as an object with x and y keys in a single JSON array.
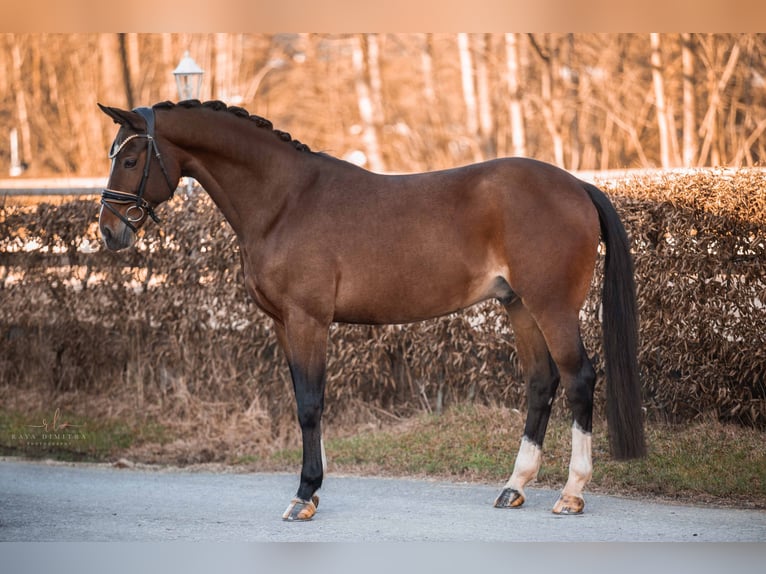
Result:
[{"x": 141, "y": 207}]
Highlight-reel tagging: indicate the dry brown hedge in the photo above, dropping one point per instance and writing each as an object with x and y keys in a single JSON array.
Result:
[{"x": 169, "y": 326}]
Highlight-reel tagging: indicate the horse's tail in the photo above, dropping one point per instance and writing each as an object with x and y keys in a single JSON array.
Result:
[{"x": 620, "y": 333}]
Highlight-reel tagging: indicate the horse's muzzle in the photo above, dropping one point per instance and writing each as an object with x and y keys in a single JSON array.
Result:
[{"x": 115, "y": 241}]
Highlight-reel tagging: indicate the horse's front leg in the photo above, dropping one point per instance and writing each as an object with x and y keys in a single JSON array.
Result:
[{"x": 304, "y": 340}]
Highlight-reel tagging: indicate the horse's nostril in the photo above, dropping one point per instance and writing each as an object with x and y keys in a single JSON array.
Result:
[{"x": 110, "y": 239}]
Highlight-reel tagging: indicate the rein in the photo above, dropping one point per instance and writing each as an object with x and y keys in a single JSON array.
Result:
[{"x": 111, "y": 197}]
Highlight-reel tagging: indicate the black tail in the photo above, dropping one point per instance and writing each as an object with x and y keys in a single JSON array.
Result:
[{"x": 620, "y": 332}]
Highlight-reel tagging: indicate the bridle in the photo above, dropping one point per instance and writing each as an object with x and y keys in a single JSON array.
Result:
[{"x": 140, "y": 207}]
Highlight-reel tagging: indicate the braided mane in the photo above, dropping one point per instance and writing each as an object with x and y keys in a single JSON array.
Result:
[{"x": 239, "y": 112}]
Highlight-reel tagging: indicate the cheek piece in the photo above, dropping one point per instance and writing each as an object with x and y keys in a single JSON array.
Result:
[{"x": 140, "y": 207}]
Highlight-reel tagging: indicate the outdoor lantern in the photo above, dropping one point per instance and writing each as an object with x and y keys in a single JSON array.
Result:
[{"x": 188, "y": 78}]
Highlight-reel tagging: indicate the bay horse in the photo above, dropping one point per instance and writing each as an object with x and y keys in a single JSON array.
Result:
[{"x": 322, "y": 241}]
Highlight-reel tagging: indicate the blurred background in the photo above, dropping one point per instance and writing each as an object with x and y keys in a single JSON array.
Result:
[{"x": 404, "y": 102}]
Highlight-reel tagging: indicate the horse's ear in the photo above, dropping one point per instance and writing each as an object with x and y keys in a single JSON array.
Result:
[{"x": 125, "y": 118}]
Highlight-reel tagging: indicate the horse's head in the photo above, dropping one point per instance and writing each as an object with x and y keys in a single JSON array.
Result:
[{"x": 140, "y": 178}]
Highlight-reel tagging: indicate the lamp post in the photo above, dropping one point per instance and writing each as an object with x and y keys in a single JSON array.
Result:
[{"x": 188, "y": 76}]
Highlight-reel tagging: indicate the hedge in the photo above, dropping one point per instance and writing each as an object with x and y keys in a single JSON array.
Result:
[{"x": 169, "y": 324}]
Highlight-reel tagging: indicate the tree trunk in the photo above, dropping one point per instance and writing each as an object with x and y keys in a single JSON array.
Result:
[
  {"x": 427, "y": 67},
  {"x": 572, "y": 96},
  {"x": 219, "y": 71},
  {"x": 518, "y": 134},
  {"x": 360, "y": 59},
  {"x": 372, "y": 60},
  {"x": 469, "y": 93},
  {"x": 127, "y": 83},
  {"x": 690, "y": 102},
  {"x": 137, "y": 78},
  {"x": 659, "y": 100},
  {"x": 606, "y": 140},
  {"x": 484, "y": 100},
  {"x": 169, "y": 61},
  {"x": 710, "y": 123},
  {"x": 550, "y": 63},
  {"x": 21, "y": 102},
  {"x": 112, "y": 89}
]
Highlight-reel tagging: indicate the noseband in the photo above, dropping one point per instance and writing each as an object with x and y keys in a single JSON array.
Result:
[{"x": 140, "y": 207}]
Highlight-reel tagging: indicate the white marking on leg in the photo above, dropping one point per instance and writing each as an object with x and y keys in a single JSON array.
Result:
[
  {"x": 528, "y": 461},
  {"x": 580, "y": 465},
  {"x": 324, "y": 456}
]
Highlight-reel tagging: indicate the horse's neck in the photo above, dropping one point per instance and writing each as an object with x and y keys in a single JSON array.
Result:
[{"x": 248, "y": 178}]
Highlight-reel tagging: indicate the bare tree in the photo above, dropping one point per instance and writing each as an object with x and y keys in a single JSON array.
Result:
[
  {"x": 469, "y": 92},
  {"x": 484, "y": 100},
  {"x": 362, "y": 63},
  {"x": 578, "y": 100},
  {"x": 712, "y": 52},
  {"x": 550, "y": 106},
  {"x": 372, "y": 59},
  {"x": 125, "y": 61},
  {"x": 518, "y": 132},
  {"x": 427, "y": 67},
  {"x": 659, "y": 101},
  {"x": 22, "y": 116},
  {"x": 690, "y": 101},
  {"x": 111, "y": 91},
  {"x": 747, "y": 120},
  {"x": 221, "y": 72},
  {"x": 571, "y": 76}
]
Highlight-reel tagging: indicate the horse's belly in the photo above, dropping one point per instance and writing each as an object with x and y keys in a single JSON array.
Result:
[{"x": 417, "y": 297}]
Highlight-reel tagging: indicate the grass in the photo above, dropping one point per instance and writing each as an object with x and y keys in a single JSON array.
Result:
[
  {"x": 70, "y": 437},
  {"x": 461, "y": 443},
  {"x": 704, "y": 463}
]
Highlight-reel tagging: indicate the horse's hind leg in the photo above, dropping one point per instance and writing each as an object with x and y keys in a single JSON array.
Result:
[
  {"x": 542, "y": 381},
  {"x": 578, "y": 378}
]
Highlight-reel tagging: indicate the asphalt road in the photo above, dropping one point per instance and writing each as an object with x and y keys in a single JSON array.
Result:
[{"x": 42, "y": 502}]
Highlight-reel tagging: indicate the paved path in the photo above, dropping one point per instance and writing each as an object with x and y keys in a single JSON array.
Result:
[{"x": 61, "y": 502}]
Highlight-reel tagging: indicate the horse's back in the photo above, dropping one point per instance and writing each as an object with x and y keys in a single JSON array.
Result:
[{"x": 406, "y": 248}]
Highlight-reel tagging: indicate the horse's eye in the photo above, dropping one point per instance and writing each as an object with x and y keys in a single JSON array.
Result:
[{"x": 129, "y": 163}]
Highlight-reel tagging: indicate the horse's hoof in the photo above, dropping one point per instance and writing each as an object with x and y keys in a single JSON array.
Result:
[
  {"x": 509, "y": 498},
  {"x": 568, "y": 504},
  {"x": 301, "y": 510}
]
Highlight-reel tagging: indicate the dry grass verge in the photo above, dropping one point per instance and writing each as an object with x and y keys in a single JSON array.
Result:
[{"x": 707, "y": 462}]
